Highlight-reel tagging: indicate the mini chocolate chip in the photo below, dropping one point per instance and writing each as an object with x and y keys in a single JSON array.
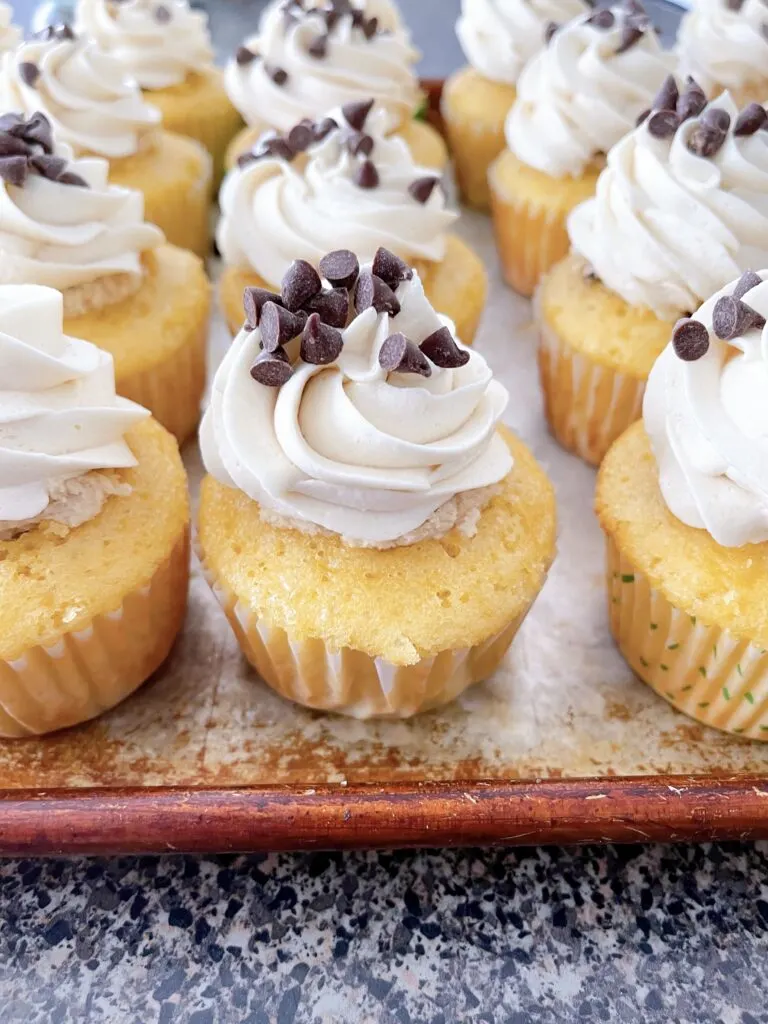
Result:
[
  {"x": 422, "y": 188},
  {"x": 331, "y": 19},
  {"x": 630, "y": 35},
  {"x": 318, "y": 48},
  {"x": 603, "y": 19},
  {"x": 390, "y": 268},
  {"x": 332, "y": 306},
  {"x": 443, "y": 351},
  {"x": 300, "y": 283},
  {"x": 358, "y": 17},
  {"x": 278, "y": 326},
  {"x": 705, "y": 142},
  {"x": 717, "y": 119},
  {"x": 372, "y": 291},
  {"x": 732, "y": 318},
  {"x": 10, "y": 145},
  {"x": 359, "y": 144},
  {"x": 690, "y": 340},
  {"x": 366, "y": 175},
  {"x": 370, "y": 27},
  {"x": 247, "y": 158},
  {"x": 662, "y": 124},
  {"x": 70, "y": 178},
  {"x": 642, "y": 117},
  {"x": 549, "y": 30},
  {"x": 751, "y": 119},
  {"x": 748, "y": 280},
  {"x": 734, "y": 5},
  {"x": 244, "y": 56},
  {"x": 254, "y": 300},
  {"x": 11, "y": 123},
  {"x": 162, "y": 14},
  {"x": 764, "y": 30},
  {"x": 324, "y": 128},
  {"x": 300, "y": 137},
  {"x": 340, "y": 267},
  {"x": 356, "y": 114},
  {"x": 13, "y": 169},
  {"x": 51, "y": 167},
  {"x": 692, "y": 101},
  {"x": 321, "y": 344},
  {"x": 64, "y": 33},
  {"x": 29, "y": 73},
  {"x": 272, "y": 369},
  {"x": 589, "y": 273},
  {"x": 399, "y": 355},
  {"x": 667, "y": 96},
  {"x": 37, "y": 130},
  {"x": 278, "y": 75}
]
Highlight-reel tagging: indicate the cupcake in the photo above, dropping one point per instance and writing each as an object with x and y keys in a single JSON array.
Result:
[
  {"x": 94, "y": 526},
  {"x": 62, "y": 225},
  {"x": 165, "y": 46},
  {"x": 378, "y": 548},
  {"x": 498, "y": 38},
  {"x": 681, "y": 209},
  {"x": 386, "y": 13},
  {"x": 683, "y": 499},
  {"x": 10, "y": 34},
  {"x": 723, "y": 44},
  {"x": 97, "y": 110},
  {"x": 304, "y": 62},
  {"x": 296, "y": 195},
  {"x": 575, "y": 100}
]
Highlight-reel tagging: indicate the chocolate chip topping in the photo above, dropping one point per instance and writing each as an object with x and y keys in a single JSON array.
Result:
[
  {"x": 441, "y": 349},
  {"x": 51, "y": 167},
  {"x": 634, "y": 24},
  {"x": 340, "y": 267},
  {"x": 11, "y": 146},
  {"x": 321, "y": 344},
  {"x": 278, "y": 75},
  {"x": 324, "y": 128},
  {"x": 300, "y": 283},
  {"x": 751, "y": 119},
  {"x": 254, "y": 300},
  {"x": 29, "y": 73},
  {"x": 70, "y": 178},
  {"x": 732, "y": 318},
  {"x": 422, "y": 188},
  {"x": 332, "y": 306},
  {"x": 662, "y": 124},
  {"x": 549, "y": 30},
  {"x": 690, "y": 340},
  {"x": 399, "y": 355},
  {"x": 279, "y": 326},
  {"x": 366, "y": 175},
  {"x": 667, "y": 96},
  {"x": 642, "y": 117},
  {"x": 734, "y": 5},
  {"x": 692, "y": 100},
  {"x": 301, "y": 137},
  {"x": 748, "y": 280},
  {"x": 13, "y": 169},
  {"x": 244, "y": 56},
  {"x": 390, "y": 268},
  {"x": 162, "y": 14},
  {"x": 716, "y": 119},
  {"x": 603, "y": 19},
  {"x": 710, "y": 133},
  {"x": 272, "y": 369},
  {"x": 62, "y": 33},
  {"x": 356, "y": 114},
  {"x": 359, "y": 144},
  {"x": 26, "y": 148},
  {"x": 372, "y": 291},
  {"x": 370, "y": 27},
  {"x": 318, "y": 48}
]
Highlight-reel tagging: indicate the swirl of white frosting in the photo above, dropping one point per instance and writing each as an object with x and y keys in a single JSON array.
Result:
[
  {"x": 274, "y": 212},
  {"x": 63, "y": 236},
  {"x": 10, "y": 34},
  {"x": 84, "y": 92},
  {"x": 60, "y": 418},
  {"x": 578, "y": 97},
  {"x": 353, "y": 69},
  {"x": 667, "y": 228},
  {"x": 708, "y": 425},
  {"x": 387, "y": 12},
  {"x": 366, "y": 454},
  {"x": 499, "y": 37},
  {"x": 158, "y": 42},
  {"x": 722, "y": 47}
]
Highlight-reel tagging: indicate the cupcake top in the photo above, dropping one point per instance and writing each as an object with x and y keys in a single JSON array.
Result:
[
  {"x": 293, "y": 196},
  {"x": 61, "y": 223},
  {"x": 10, "y": 34},
  {"x": 724, "y": 43},
  {"x": 682, "y": 206},
  {"x": 60, "y": 419},
  {"x": 500, "y": 36},
  {"x": 706, "y": 415},
  {"x": 93, "y": 106},
  {"x": 585, "y": 89},
  {"x": 305, "y": 62},
  {"x": 386, "y": 13},
  {"x": 372, "y": 421},
  {"x": 158, "y": 42}
]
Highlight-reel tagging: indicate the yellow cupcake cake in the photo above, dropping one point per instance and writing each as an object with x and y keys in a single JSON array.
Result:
[
  {"x": 575, "y": 100},
  {"x": 498, "y": 39},
  {"x": 378, "y": 549},
  {"x": 294, "y": 195},
  {"x": 308, "y": 59},
  {"x": 145, "y": 302},
  {"x": 723, "y": 44},
  {"x": 94, "y": 526},
  {"x": 681, "y": 208},
  {"x": 683, "y": 500},
  {"x": 97, "y": 110},
  {"x": 166, "y": 48}
]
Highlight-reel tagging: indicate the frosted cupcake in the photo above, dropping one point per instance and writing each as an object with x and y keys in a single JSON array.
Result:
[
  {"x": 723, "y": 44},
  {"x": 97, "y": 110},
  {"x": 498, "y": 37},
  {"x": 62, "y": 225},
  {"x": 165, "y": 47},
  {"x": 94, "y": 525},
  {"x": 575, "y": 100},
  {"x": 302, "y": 63},
  {"x": 10, "y": 34},
  {"x": 681, "y": 209},
  {"x": 378, "y": 548},
  {"x": 342, "y": 177},
  {"x": 386, "y": 13},
  {"x": 683, "y": 500}
]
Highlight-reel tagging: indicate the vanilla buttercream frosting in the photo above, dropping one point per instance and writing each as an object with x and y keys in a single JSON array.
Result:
[
  {"x": 10, "y": 34},
  {"x": 386, "y": 12},
  {"x": 723, "y": 44}
]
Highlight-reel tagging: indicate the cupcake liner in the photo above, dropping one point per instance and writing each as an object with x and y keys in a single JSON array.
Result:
[
  {"x": 587, "y": 405},
  {"x": 350, "y": 682},
  {"x": 704, "y": 671},
  {"x": 78, "y": 675},
  {"x": 530, "y": 238},
  {"x": 181, "y": 209}
]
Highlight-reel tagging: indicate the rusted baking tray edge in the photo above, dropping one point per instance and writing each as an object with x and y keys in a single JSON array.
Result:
[{"x": 161, "y": 820}]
